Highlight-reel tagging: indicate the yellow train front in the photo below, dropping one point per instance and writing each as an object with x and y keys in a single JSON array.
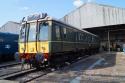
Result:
[{"x": 45, "y": 41}]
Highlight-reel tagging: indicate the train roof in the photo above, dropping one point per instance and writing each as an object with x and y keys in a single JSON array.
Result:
[
  {"x": 54, "y": 19},
  {"x": 33, "y": 18}
]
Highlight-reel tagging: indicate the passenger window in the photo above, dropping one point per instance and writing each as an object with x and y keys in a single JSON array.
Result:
[
  {"x": 83, "y": 37},
  {"x": 86, "y": 39},
  {"x": 89, "y": 38},
  {"x": 79, "y": 36},
  {"x": 64, "y": 32},
  {"x": 58, "y": 36},
  {"x": 93, "y": 39},
  {"x": 69, "y": 34}
]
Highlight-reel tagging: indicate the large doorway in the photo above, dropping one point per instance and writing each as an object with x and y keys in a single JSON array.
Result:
[{"x": 111, "y": 37}]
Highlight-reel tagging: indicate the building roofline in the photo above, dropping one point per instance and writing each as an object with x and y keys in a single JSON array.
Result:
[
  {"x": 10, "y": 22},
  {"x": 13, "y": 22},
  {"x": 98, "y": 4}
]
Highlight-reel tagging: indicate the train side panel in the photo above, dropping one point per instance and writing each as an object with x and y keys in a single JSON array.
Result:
[{"x": 70, "y": 40}]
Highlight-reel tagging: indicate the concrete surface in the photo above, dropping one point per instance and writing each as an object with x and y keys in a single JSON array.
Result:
[
  {"x": 101, "y": 68},
  {"x": 7, "y": 81}
]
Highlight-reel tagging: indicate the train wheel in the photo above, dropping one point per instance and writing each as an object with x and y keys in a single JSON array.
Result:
[{"x": 35, "y": 64}]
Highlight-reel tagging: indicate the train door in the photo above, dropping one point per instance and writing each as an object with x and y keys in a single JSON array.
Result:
[
  {"x": 56, "y": 38},
  {"x": 43, "y": 37}
]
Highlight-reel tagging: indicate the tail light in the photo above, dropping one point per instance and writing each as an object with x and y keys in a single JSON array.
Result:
[{"x": 46, "y": 56}]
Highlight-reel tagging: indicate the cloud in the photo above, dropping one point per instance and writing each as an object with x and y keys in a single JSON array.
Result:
[{"x": 77, "y": 3}]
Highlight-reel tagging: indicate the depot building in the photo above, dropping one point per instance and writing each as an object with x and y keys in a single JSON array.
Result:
[{"x": 107, "y": 22}]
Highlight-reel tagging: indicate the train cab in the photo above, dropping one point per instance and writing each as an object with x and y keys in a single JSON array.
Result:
[{"x": 34, "y": 37}]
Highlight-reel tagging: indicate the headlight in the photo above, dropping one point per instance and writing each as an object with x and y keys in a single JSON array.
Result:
[{"x": 45, "y": 59}]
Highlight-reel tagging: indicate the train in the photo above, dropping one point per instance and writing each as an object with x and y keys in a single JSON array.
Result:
[
  {"x": 44, "y": 40},
  {"x": 8, "y": 46}
]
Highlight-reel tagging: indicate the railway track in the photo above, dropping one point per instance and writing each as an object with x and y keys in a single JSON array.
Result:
[
  {"x": 29, "y": 76},
  {"x": 16, "y": 74},
  {"x": 13, "y": 71},
  {"x": 37, "y": 74},
  {"x": 6, "y": 70},
  {"x": 10, "y": 65},
  {"x": 32, "y": 74}
]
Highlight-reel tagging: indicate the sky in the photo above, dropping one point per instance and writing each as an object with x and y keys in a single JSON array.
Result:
[{"x": 15, "y": 10}]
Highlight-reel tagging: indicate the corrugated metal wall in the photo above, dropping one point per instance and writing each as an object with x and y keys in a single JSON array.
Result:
[
  {"x": 95, "y": 15},
  {"x": 10, "y": 27}
]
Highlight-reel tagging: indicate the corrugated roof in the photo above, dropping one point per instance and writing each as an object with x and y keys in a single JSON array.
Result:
[
  {"x": 10, "y": 22},
  {"x": 95, "y": 15},
  {"x": 10, "y": 27}
]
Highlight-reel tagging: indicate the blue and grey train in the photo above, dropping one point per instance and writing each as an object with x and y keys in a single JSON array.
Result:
[{"x": 8, "y": 46}]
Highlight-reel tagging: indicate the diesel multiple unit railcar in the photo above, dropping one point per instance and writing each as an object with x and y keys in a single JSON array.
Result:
[
  {"x": 8, "y": 46},
  {"x": 44, "y": 40}
]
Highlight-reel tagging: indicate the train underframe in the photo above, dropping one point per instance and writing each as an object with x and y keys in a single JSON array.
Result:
[
  {"x": 59, "y": 59},
  {"x": 6, "y": 57}
]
